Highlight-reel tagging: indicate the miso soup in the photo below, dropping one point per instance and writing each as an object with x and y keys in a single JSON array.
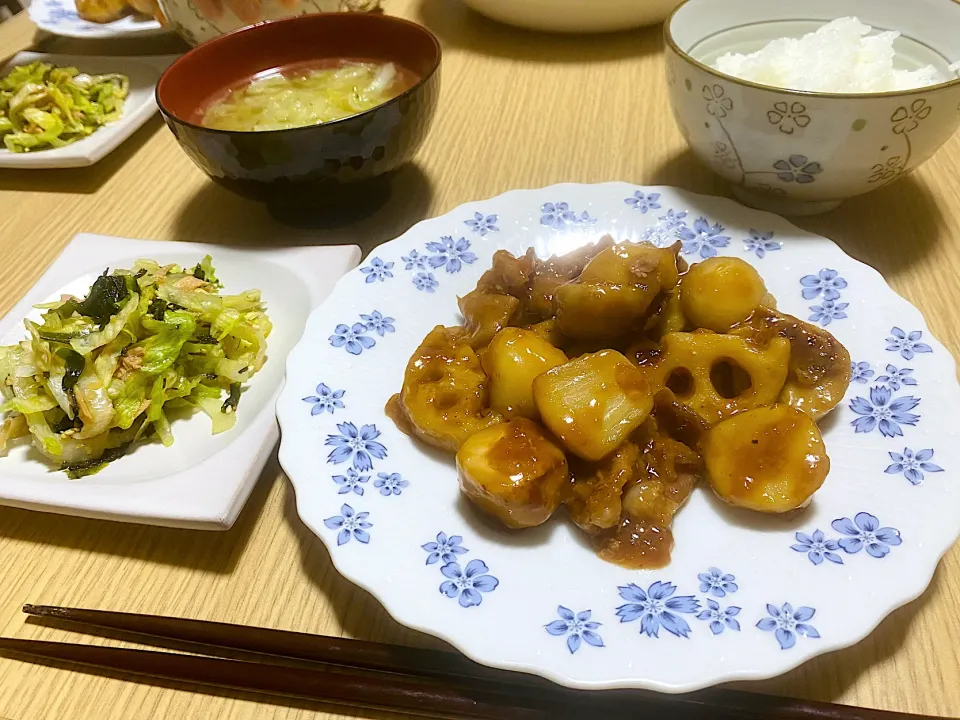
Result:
[{"x": 307, "y": 94}]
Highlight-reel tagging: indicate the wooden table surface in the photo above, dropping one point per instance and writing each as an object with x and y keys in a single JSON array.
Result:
[{"x": 516, "y": 110}]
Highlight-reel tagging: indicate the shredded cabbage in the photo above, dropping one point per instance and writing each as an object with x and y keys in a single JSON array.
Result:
[
  {"x": 43, "y": 106},
  {"x": 283, "y": 101},
  {"x": 100, "y": 373}
]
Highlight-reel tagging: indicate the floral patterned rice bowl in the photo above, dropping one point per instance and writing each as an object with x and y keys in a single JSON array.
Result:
[
  {"x": 804, "y": 152},
  {"x": 745, "y": 596}
]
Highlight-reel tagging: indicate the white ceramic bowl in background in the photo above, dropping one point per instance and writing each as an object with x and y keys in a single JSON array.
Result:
[
  {"x": 195, "y": 26},
  {"x": 575, "y": 16},
  {"x": 797, "y": 152}
]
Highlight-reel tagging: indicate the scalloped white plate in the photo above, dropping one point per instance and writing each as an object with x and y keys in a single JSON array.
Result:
[{"x": 745, "y": 596}]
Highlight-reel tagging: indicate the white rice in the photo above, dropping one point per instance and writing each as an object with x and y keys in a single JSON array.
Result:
[{"x": 839, "y": 57}]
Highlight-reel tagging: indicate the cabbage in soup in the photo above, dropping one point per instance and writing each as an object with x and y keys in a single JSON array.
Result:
[{"x": 307, "y": 95}]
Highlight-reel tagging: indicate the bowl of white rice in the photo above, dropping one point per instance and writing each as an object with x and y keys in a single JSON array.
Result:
[{"x": 804, "y": 103}]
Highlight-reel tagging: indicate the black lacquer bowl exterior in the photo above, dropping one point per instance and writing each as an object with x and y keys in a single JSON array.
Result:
[{"x": 318, "y": 160}]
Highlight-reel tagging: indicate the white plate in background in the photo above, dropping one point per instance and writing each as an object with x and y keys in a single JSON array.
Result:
[
  {"x": 60, "y": 17},
  {"x": 144, "y": 72}
]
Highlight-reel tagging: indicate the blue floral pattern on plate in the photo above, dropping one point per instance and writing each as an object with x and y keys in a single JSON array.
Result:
[
  {"x": 352, "y": 481},
  {"x": 718, "y": 618},
  {"x": 467, "y": 584},
  {"x": 717, "y": 583},
  {"x": 445, "y": 549},
  {"x": 326, "y": 400},
  {"x": 377, "y": 270},
  {"x": 57, "y": 14},
  {"x": 817, "y": 547},
  {"x": 578, "y": 628},
  {"x": 559, "y": 216},
  {"x": 425, "y": 282},
  {"x": 827, "y": 282},
  {"x": 896, "y": 377},
  {"x": 415, "y": 261},
  {"x": 355, "y": 338},
  {"x": 860, "y": 372},
  {"x": 390, "y": 484},
  {"x": 788, "y": 624},
  {"x": 703, "y": 238},
  {"x": 656, "y": 607},
  {"x": 864, "y": 531},
  {"x": 882, "y": 410},
  {"x": 907, "y": 344},
  {"x": 450, "y": 254},
  {"x": 361, "y": 445},
  {"x": 375, "y": 322},
  {"x": 674, "y": 219},
  {"x": 828, "y": 312},
  {"x": 760, "y": 243},
  {"x": 643, "y": 203},
  {"x": 912, "y": 464},
  {"x": 482, "y": 224},
  {"x": 351, "y": 525}
]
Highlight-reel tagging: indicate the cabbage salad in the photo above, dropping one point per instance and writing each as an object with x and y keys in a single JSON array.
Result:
[
  {"x": 43, "y": 107},
  {"x": 100, "y": 373}
]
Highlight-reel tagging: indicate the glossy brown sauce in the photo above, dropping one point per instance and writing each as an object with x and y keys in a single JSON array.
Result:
[
  {"x": 814, "y": 354},
  {"x": 631, "y": 381},
  {"x": 764, "y": 457},
  {"x": 523, "y": 452},
  {"x": 679, "y": 421},
  {"x": 636, "y": 545},
  {"x": 550, "y": 274},
  {"x": 485, "y": 314},
  {"x": 625, "y": 496},
  {"x": 508, "y": 275},
  {"x": 770, "y": 459}
]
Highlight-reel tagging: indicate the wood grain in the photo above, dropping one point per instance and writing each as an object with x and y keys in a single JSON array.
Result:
[{"x": 516, "y": 110}]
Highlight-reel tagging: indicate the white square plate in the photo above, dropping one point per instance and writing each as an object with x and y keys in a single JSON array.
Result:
[
  {"x": 203, "y": 480},
  {"x": 144, "y": 73}
]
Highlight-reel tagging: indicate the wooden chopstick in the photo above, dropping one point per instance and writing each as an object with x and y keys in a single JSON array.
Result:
[
  {"x": 283, "y": 643},
  {"x": 352, "y": 687},
  {"x": 365, "y": 674}
]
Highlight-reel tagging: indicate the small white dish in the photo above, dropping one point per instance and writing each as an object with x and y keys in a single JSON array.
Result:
[
  {"x": 203, "y": 480},
  {"x": 144, "y": 73},
  {"x": 744, "y": 597},
  {"x": 60, "y": 17}
]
